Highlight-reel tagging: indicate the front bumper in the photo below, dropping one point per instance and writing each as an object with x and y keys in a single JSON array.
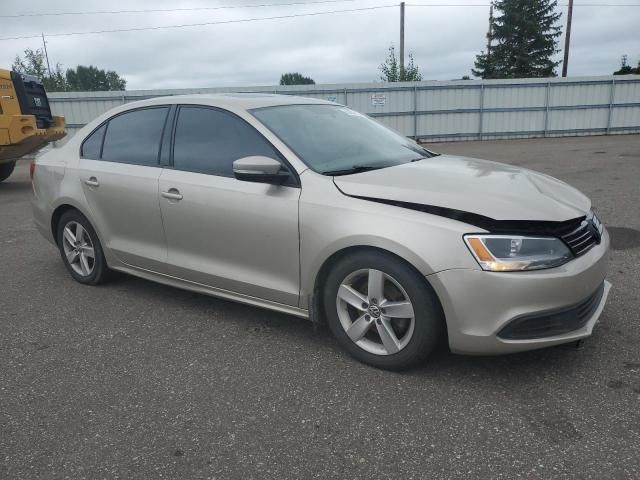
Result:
[{"x": 479, "y": 304}]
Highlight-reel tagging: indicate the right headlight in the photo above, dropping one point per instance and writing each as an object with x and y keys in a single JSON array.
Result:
[{"x": 508, "y": 253}]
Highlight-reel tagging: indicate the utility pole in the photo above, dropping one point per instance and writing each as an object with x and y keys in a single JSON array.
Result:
[
  {"x": 46, "y": 55},
  {"x": 401, "y": 40},
  {"x": 488, "y": 73},
  {"x": 567, "y": 40},
  {"x": 490, "y": 33}
]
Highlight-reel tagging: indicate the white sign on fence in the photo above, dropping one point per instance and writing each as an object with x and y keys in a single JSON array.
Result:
[{"x": 378, "y": 99}]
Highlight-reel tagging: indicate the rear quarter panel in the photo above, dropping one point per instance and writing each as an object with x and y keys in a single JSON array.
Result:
[{"x": 56, "y": 184}]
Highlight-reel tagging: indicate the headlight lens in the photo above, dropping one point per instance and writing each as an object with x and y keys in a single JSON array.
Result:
[{"x": 508, "y": 253}]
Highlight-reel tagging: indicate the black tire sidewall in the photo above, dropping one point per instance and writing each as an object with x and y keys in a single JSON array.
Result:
[
  {"x": 100, "y": 270},
  {"x": 429, "y": 319},
  {"x": 6, "y": 169}
]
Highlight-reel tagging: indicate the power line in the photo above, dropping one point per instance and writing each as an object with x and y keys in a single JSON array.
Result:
[
  {"x": 257, "y": 19},
  {"x": 160, "y": 10},
  {"x": 285, "y": 4},
  {"x": 221, "y": 22},
  {"x": 487, "y": 5}
]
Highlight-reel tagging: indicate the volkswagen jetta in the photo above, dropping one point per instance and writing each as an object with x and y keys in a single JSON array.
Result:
[{"x": 309, "y": 208}]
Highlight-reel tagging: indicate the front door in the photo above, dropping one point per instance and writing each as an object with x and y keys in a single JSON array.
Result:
[{"x": 222, "y": 232}]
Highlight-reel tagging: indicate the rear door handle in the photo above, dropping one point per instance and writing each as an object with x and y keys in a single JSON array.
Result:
[
  {"x": 172, "y": 194},
  {"x": 92, "y": 182}
]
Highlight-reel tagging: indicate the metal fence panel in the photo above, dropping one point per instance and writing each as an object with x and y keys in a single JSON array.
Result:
[
  {"x": 585, "y": 119},
  {"x": 515, "y": 97},
  {"x": 453, "y": 110},
  {"x": 448, "y": 99},
  {"x": 513, "y": 122},
  {"x": 588, "y": 94},
  {"x": 622, "y": 117},
  {"x": 627, "y": 92}
]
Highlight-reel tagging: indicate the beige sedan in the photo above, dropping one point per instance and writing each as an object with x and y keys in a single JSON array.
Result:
[{"x": 312, "y": 209}]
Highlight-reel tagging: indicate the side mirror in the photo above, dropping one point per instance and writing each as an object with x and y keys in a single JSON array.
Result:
[{"x": 259, "y": 169}]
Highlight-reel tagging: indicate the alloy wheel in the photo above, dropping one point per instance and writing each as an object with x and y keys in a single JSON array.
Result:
[
  {"x": 78, "y": 248},
  {"x": 375, "y": 312}
]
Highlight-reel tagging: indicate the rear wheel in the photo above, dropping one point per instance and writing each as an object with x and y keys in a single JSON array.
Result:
[
  {"x": 381, "y": 311},
  {"x": 80, "y": 249},
  {"x": 6, "y": 169}
]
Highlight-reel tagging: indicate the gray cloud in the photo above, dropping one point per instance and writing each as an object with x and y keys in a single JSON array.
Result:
[{"x": 338, "y": 48}]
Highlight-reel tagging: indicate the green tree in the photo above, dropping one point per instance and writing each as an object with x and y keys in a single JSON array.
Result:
[
  {"x": 626, "y": 69},
  {"x": 392, "y": 72},
  {"x": 86, "y": 79},
  {"x": 93, "y": 79},
  {"x": 33, "y": 63},
  {"x": 526, "y": 34},
  {"x": 295, "y": 78}
]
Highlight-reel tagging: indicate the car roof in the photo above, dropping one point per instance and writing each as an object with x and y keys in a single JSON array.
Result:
[{"x": 243, "y": 101}]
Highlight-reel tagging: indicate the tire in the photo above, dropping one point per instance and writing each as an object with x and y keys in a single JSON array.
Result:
[
  {"x": 6, "y": 169},
  {"x": 415, "y": 337},
  {"x": 78, "y": 244}
]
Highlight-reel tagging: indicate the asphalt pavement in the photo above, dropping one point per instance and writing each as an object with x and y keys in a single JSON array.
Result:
[{"x": 137, "y": 380}]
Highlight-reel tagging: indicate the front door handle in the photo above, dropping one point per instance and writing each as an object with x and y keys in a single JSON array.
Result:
[
  {"x": 92, "y": 182},
  {"x": 172, "y": 194}
]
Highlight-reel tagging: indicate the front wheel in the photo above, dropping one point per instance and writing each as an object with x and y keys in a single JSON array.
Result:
[
  {"x": 6, "y": 169},
  {"x": 382, "y": 311}
]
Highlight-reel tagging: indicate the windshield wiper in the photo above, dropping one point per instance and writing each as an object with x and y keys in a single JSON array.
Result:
[
  {"x": 349, "y": 171},
  {"x": 431, "y": 155}
]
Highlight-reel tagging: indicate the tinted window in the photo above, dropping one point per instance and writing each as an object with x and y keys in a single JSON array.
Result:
[
  {"x": 93, "y": 143},
  {"x": 208, "y": 141},
  {"x": 134, "y": 137}
]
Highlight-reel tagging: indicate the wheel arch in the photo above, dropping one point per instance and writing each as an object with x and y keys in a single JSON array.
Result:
[
  {"x": 315, "y": 303},
  {"x": 65, "y": 206}
]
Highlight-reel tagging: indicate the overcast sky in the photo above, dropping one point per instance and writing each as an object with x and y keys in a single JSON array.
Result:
[{"x": 336, "y": 48}]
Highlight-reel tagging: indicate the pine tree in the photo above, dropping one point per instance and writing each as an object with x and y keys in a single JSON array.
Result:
[{"x": 525, "y": 35}]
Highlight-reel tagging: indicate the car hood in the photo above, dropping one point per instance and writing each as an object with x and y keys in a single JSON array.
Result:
[{"x": 490, "y": 189}]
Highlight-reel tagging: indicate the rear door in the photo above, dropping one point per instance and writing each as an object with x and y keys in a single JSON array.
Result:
[
  {"x": 119, "y": 171},
  {"x": 222, "y": 232}
]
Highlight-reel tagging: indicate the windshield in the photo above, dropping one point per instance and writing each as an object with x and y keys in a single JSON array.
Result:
[{"x": 335, "y": 140}]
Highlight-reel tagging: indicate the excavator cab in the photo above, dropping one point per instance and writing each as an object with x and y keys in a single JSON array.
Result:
[{"x": 26, "y": 123}]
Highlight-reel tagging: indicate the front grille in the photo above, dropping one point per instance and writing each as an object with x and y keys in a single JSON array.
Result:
[
  {"x": 581, "y": 238},
  {"x": 553, "y": 323}
]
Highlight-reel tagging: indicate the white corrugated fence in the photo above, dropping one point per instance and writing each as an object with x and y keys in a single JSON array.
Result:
[{"x": 440, "y": 110}]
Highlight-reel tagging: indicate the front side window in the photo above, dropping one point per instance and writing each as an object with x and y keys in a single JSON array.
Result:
[
  {"x": 336, "y": 140},
  {"x": 134, "y": 137},
  {"x": 209, "y": 140}
]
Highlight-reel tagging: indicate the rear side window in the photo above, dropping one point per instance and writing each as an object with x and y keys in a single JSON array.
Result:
[
  {"x": 92, "y": 145},
  {"x": 208, "y": 141},
  {"x": 134, "y": 137}
]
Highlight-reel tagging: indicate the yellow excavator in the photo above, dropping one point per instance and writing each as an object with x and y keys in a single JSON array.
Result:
[{"x": 26, "y": 123}]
